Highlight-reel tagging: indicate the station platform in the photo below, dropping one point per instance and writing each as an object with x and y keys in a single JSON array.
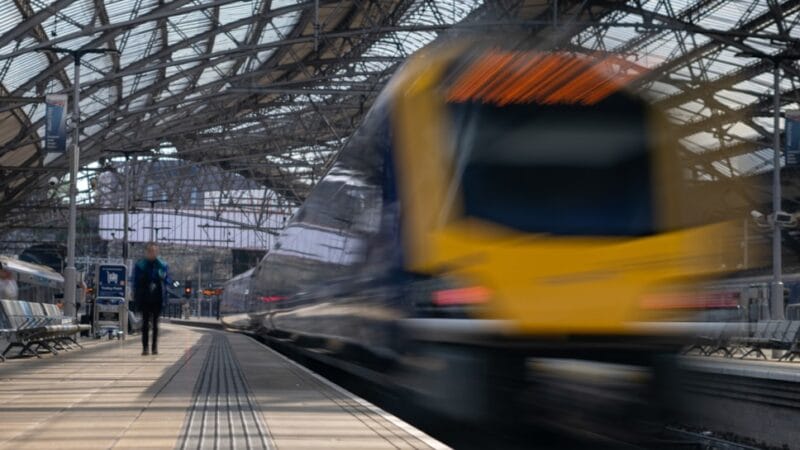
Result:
[
  {"x": 750, "y": 368},
  {"x": 205, "y": 389},
  {"x": 753, "y": 399},
  {"x": 204, "y": 322}
]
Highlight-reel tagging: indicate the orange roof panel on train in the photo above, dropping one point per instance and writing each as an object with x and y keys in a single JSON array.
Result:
[{"x": 503, "y": 77}]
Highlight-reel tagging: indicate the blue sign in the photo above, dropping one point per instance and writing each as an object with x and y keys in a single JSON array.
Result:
[
  {"x": 55, "y": 135},
  {"x": 111, "y": 281},
  {"x": 792, "y": 149}
]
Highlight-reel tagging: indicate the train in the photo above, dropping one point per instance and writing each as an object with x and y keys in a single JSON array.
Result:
[
  {"x": 498, "y": 205},
  {"x": 234, "y": 303},
  {"x": 744, "y": 296}
]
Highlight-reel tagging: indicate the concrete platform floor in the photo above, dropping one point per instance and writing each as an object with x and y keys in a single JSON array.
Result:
[
  {"x": 206, "y": 389},
  {"x": 751, "y": 368}
]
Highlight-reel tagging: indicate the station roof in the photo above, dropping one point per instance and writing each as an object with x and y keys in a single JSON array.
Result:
[{"x": 269, "y": 89}]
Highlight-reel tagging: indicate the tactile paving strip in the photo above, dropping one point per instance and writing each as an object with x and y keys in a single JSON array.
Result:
[{"x": 224, "y": 414}]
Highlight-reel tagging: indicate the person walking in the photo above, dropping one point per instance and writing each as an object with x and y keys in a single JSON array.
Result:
[{"x": 150, "y": 278}]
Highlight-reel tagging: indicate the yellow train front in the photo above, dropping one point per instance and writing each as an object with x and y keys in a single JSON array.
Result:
[{"x": 501, "y": 219}]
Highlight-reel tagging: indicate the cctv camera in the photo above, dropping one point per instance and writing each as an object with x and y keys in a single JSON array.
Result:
[
  {"x": 785, "y": 220},
  {"x": 52, "y": 181},
  {"x": 760, "y": 220}
]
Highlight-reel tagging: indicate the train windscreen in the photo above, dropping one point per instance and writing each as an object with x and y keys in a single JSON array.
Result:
[{"x": 564, "y": 169}]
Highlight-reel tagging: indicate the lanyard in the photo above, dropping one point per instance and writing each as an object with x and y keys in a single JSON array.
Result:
[{"x": 154, "y": 275}]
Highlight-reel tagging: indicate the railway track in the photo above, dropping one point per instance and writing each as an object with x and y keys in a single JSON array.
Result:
[
  {"x": 384, "y": 392},
  {"x": 775, "y": 395}
]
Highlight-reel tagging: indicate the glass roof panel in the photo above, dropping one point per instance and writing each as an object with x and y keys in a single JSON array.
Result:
[
  {"x": 123, "y": 10},
  {"x": 9, "y": 17},
  {"x": 232, "y": 12},
  {"x": 19, "y": 69},
  {"x": 695, "y": 76},
  {"x": 223, "y": 42},
  {"x": 187, "y": 25},
  {"x": 134, "y": 46}
]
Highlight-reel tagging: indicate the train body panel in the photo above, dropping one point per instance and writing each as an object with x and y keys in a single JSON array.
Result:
[{"x": 577, "y": 285}]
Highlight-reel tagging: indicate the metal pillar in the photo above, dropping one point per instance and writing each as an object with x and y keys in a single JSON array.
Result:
[
  {"x": 152, "y": 221},
  {"x": 316, "y": 25},
  {"x": 777, "y": 264},
  {"x": 126, "y": 211},
  {"x": 199, "y": 286},
  {"x": 746, "y": 245},
  {"x": 70, "y": 272}
]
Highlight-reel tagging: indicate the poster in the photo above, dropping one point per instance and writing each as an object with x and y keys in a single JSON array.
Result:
[
  {"x": 792, "y": 149},
  {"x": 55, "y": 140}
]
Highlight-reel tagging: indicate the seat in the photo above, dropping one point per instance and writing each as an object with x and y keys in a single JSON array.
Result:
[
  {"x": 760, "y": 339},
  {"x": 793, "y": 341},
  {"x": 65, "y": 327},
  {"x": 728, "y": 334},
  {"x": 778, "y": 337},
  {"x": 25, "y": 328},
  {"x": 34, "y": 326},
  {"x": 705, "y": 343}
]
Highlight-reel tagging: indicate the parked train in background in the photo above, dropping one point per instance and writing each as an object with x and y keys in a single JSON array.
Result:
[
  {"x": 744, "y": 297},
  {"x": 235, "y": 303},
  {"x": 496, "y": 206}
]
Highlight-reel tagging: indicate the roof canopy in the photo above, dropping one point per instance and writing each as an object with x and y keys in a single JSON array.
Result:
[
  {"x": 269, "y": 89},
  {"x": 32, "y": 273}
]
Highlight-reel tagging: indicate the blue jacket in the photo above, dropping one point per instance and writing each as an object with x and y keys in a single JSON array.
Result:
[{"x": 161, "y": 270}]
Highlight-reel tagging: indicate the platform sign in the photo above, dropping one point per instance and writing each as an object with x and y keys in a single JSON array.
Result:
[
  {"x": 792, "y": 149},
  {"x": 111, "y": 280},
  {"x": 55, "y": 140}
]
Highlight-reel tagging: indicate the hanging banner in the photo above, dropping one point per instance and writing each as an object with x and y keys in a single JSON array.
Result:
[
  {"x": 792, "y": 148},
  {"x": 55, "y": 140}
]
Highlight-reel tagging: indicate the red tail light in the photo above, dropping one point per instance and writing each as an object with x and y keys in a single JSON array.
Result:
[
  {"x": 461, "y": 296},
  {"x": 272, "y": 298}
]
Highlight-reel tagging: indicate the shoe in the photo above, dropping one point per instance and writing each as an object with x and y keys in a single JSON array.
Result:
[
  {"x": 155, "y": 352},
  {"x": 145, "y": 353}
]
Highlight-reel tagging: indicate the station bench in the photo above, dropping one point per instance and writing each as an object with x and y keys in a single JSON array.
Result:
[
  {"x": 718, "y": 340},
  {"x": 33, "y": 326},
  {"x": 752, "y": 339}
]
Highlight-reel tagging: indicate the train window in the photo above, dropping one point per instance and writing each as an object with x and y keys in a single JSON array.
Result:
[{"x": 566, "y": 169}]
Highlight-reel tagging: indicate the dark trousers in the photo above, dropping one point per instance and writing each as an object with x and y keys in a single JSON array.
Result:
[{"x": 150, "y": 311}]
